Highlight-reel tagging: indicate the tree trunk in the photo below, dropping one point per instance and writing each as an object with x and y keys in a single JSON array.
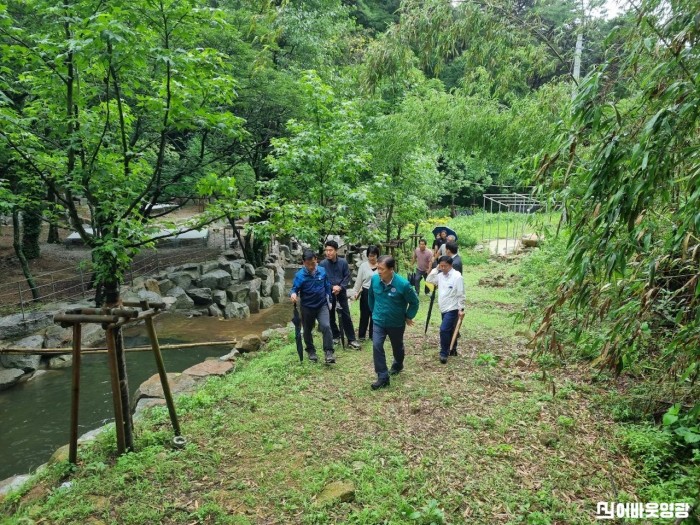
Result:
[
  {"x": 31, "y": 230},
  {"x": 20, "y": 254},
  {"x": 389, "y": 215},
  {"x": 52, "y": 237}
]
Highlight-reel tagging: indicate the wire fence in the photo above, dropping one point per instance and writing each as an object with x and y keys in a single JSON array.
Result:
[{"x": 75, "y": 282}]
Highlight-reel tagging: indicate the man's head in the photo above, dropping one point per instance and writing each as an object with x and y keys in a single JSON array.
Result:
[
  {"x": 445, "y": 263},
  {"x": 451, "y": 238},
  {"x": 308, "y": 259},
  {"x": 421, "y": 245},
  {"x": 385, "y": 267},
  {"x": 331, "y": 249},
  {"x": 451, "y": 248}
]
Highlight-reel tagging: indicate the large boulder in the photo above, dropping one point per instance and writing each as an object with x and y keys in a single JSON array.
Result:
[
  {"x": 200, "y": 296},
  {"x": 249, "y": 270},
  {"x": 26, "y": 362},
  {"x": 151, "y": 297},
  {"x": 178, "y": 383},
  {"x": 255, "y": 284},
  {"x": 238, "y": 293},
  {"x": 60, "y": 361},
  {"x": 215, "y": 279},
  {"x": 165, "y": 285},
  {"x": 183, "y": 279},
  {"x": 209, "y": 368},
  {"x": 219, "y": 297},
  {"x": 267, "y": 277},
  {"x": 208, "y": 266},
  {"x": 214, "y": 311},
  {"x": 266, "y": 302},
  {"x": 254, "y": 302},
  {"x": 236, "y": 311},
  {"x": 12, "y": 326},
  {"x": 249, "y": 343},
  {"x": 232, "y": 267},
  {"x": 152, "y": 285},
  {"x": 10, "y": 377},
  {"x": 277, "y": 292},
  {"x": 182, "y": 300},
  {"x": 57, "y": 337}
]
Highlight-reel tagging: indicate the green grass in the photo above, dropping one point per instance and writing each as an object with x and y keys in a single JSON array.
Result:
[{"x": 466, "y": 442}]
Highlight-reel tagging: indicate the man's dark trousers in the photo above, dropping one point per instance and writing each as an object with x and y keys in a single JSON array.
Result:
[
  {"x": 342, "y": 300},
  {"x": 395, "y": 335},
  {"x": 447, "y": 329},
  {"x": 310, "y": 316}
]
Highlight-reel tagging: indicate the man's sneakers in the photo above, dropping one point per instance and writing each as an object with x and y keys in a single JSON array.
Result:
[
  {"x": 380, "y": 383},
  {"x": 330, "y": 357},
  {"x": 336, "y": 341},
  {"x": 443, "y": 359},
  {"x": 395, "y": 369},
  {"x": 453, "y": 352},
  {"x": 355, "y": 345},
  {"x": 313, "y": 357}
]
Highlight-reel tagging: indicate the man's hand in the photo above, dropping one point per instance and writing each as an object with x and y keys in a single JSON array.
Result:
[
  {"x": 409, "y": 322},
  {"x": 460, "y": 314},
  {"x": 293, "y": 298},
  {"x": 336, "y": 289}
]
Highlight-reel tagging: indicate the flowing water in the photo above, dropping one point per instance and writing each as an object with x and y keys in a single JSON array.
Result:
[{"x": 35, "y": 416}]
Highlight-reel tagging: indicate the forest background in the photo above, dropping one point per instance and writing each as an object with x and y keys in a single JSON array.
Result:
[{"x": 318, "y": 117}]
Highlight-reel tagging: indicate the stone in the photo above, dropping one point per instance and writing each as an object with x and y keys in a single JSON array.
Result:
[
  {"x": 266, "y": 302},
  {"x": 92, "y": 434},
  {"x": 284, "y": 250},
  {"x": 189, "y": 267},
  {"x": 60, "y": 455},
  {"x": 165, "y": 285},
  {"x": 152, "y": 286},
  {"x": 277, "y": 292},
  {"x": 151, "y": 297},
  {"x": 60, "y": 361},
  {"x": 238, "y": 293},
  {"x": 147, "y": 402},
  {"x": 214, "y": 311},
  {"x": 343, "y": 491},
  {"x": 16, "y": 325},
  {"x": 178, "y": 382},
  {"x": 215, "y": 279},
  {"x": 91, "y": 334},
  {"x": 255, "y": 284},
  {"x": 182, "y": 300},
  {"x": 531, "y": 240},
  {"x": 249, "y": 343},
  {"x": 358, "y": 465},
  {"x": 200, "y": 296},
  {"x": 12, "y": 484},
  {"x": 57, "y": 337},
  {"x": 236, "y": 311},
  {"x": 10, "y": 377},
  {"x": 249, "y": 270},
  {"x": 26, "y": 362},
  {"x": 209, "y": 368},
  {"x": 254, "y": 302},
  {"x": 220, "y": 297},
  {"x": 267, "y": 277},
  {"x": 233, "y": 268},
  {"x": 208, "y": 266},
  {"x": 231, "y": 356},
  {"x": 182, "y": 279}
]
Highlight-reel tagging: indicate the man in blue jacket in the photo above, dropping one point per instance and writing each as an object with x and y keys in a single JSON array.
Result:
[
  {"x": 338, "y": 273},
  {"x": 394, "y": 303},
  {"x": 311, "y": 285}
]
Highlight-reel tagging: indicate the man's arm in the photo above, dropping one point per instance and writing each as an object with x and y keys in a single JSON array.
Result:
[
  {"x": 345, "y": 274},
  {"x": 413, "y": 302}
]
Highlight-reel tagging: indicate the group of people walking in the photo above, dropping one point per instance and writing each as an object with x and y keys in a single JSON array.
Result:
[{"x": 388, "y": 302}]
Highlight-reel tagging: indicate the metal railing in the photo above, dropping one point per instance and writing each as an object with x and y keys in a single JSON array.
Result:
[{"x": 72, "y": 283}]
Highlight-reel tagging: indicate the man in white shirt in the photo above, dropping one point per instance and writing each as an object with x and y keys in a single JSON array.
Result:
[{"x": 450, "y": 300}]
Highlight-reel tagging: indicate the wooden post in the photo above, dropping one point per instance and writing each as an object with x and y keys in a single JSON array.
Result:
[
  {"x": 163, "y": 376},
  {"x": 116, "y": 397},
  {"x": 128, "y": 422},
  {"x": 75, "y": 395}
]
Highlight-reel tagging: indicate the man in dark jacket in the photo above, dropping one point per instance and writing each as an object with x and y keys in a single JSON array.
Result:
[
  {"x": 338, "y": 273},
  {"x": 451, "y": 250},
  {"x": 311, "y": 285}
]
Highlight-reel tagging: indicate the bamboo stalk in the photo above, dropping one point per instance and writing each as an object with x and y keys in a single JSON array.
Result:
[{"x": 67, "y": 350}]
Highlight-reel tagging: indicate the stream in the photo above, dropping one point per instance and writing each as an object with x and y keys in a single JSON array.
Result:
[{"x": 35, "y": 415}]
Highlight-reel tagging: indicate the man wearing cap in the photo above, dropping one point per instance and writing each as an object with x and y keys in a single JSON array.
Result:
[{"x": 311, "y": 285}]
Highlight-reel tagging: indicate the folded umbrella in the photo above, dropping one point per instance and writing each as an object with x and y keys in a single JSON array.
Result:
[
  {"x": 296, "y": 319},
  {"x": 339, "y": 312},
  {"x": 430, "y": 308}
]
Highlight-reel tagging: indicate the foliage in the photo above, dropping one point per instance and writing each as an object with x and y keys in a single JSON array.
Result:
[{"x": 627, "y": 171}]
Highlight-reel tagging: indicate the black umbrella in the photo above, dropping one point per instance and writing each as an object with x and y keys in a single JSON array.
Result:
[
  {"x": 430, "y": 309},
  {"x": 296, "y": 319},
  {"x": 339, "y": 312},
  {"x": 449, "y": 231}
]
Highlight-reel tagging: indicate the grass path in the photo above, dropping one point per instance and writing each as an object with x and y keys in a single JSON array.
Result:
[{"x": 484, "y": 439}]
